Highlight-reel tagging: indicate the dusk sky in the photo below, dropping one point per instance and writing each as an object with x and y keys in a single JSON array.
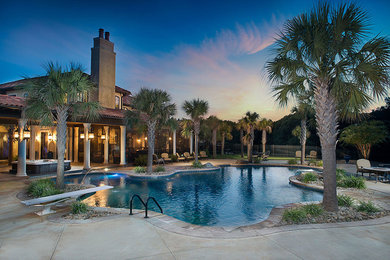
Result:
[{"x": 207, "y": 49}]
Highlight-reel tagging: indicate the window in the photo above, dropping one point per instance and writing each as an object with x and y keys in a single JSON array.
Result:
[{"x": 117, "y": 102}]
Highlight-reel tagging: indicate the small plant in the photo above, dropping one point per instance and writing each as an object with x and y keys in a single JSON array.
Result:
[
  {"x": 197, "y": 165},
  {"x": 141, "y": 160},
  {"x": 368, "y": 207},
  {"x": 344, "y": 201},
  {"x": 42, "y": 188},
  {"x": 352, "y": 182},
  {"x": 313, "y": 209},
  {"x": 340, "y": 174},
  {"x": 174, "y": 158},
  {"x": 159, "y": 169},
  {"x": 320, "y": 163},
  {"x": 309, "y": 177},
  {"x": 313, "y": 162},
  {"x": 139, "y": 169},
  {"x": 293, "y": 161},
  {"x": 295, "y": 215},
  {"x": 79, "y": 207}
]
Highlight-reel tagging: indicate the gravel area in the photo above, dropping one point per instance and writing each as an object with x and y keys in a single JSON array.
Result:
[{"x": 91, "y": 214}]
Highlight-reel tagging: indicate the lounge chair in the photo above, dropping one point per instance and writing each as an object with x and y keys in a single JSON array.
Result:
[
  {"x": 158, "y": 160},
  {"x": 165, "y": 157},
  {"x": 312, "y": 155},
  {"x": 188, "y": 156},
  {"x": 202, "y": 154},
  {"x": 179, "y": 157},
  {"x": 298, "y": 154}
]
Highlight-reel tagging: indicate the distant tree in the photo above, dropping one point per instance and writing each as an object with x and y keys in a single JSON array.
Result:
[
  {"x": 196, "y": 109},
  {"x": 151, "y": 107},
  {"x": 265, "y": 126},
  {"x": 226, "y": 133},
  {"x": 250, "y": 121},
  {"x": 52, "y": 99},
  {"x": 364, "y": 136},
  {"x": 213, "y": 123}
]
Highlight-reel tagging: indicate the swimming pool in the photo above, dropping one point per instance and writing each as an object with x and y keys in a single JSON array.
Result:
[{"x": 232, "y": 196}]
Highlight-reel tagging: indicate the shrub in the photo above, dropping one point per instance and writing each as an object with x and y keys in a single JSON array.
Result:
[
  {"x": 309, "y": 177},
  {"x": 294, "y": 215},
  {"x": 197, "y": 165},
  {"x": 141, "y": 160},
  {"x": 159, "y": 169},
  {"x": 42, "y": 188},
  {"x": 139, "y": 169},
  {"x": 340, "y": 174},
  {"x": 313, "y": 209},
  {"x": 344, "y": 201},
  {"x": 320, "y": 163},
  {"x": 174, "y": 158},
  {"x": 293, "y": 161},
  {"x": 352, "y": 182},
  {"x": 79, "y": 207},
  {"x": 368, "y": 207}
]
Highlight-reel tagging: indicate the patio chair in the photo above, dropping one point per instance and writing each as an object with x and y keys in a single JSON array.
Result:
[
  {"x": 188, "y": 156},
  {"x": 362, "y": 165},
  {"x": 298, "y": 154},
  {"x": 264, "y": 156},
  {"x": 165, "y": 157},
  {"x": 312, "y": 155},
  {"x": 202, "y": 154},
  {"x": 158, "y": 160},
  {"x": 179, "y": 157}
]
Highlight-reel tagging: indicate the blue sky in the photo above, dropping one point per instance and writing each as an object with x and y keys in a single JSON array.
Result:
[{"x": 215, "y": 50}]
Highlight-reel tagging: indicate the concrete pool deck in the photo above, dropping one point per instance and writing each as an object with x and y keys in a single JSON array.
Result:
[{"x": 23, "y": 235}]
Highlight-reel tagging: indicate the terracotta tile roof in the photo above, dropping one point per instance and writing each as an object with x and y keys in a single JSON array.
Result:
[
  {"x": 12, "y": 101},
  {"x": 122, "y": 90},
  {"x": 112, "y": 113}
]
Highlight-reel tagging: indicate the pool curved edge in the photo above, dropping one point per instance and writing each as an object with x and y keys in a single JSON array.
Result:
[{"x": 293, "y": 180}]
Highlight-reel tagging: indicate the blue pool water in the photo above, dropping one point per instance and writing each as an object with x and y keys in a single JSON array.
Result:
[{"x": 232, "y": 196}]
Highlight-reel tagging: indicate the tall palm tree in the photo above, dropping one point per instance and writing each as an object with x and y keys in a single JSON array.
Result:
[
  {"x": 303, "y": 110},
  {"x": 265, "y": 126},
  {"x": 213, "y": 123},
  {"x": 250, "y": 121},
  {"x": 326, "y": 51},
  {"x": 196, "y": 109},
  {"x": 52, "y": 99},
  {"x": 151, "y": 107},
  {"x": 241, "y": 126},
  {"x": 226, "y": 133}
]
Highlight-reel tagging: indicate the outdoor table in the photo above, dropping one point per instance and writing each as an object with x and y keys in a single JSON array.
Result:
[{"x": 378, "y": 170}]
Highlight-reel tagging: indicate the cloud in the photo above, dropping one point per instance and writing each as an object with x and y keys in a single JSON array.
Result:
[{"x": 224, "y": 69}]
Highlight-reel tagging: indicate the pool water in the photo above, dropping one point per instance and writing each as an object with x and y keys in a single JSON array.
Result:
[{"x": 232, "y": 196}]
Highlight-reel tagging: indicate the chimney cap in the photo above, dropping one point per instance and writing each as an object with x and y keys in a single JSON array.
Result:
[
  {"x": 107, "y": 36},
  {"x": 101, "y": 32}
]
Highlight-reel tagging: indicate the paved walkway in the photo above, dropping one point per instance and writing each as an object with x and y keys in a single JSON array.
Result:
[{"x": 24, "y": 235}]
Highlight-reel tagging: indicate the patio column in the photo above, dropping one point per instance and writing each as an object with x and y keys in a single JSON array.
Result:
[
  {"x": 11, "y": 130},
  {"x": 21, "y": 171},
  {"x": 87, "y": 147},
  {"x": 174, "y": 141},
  {"x": 76, "y": 144},
  {"x": 32, "y": 141},
  {"x": 191, "y": 143},
  {"x": 70, "y": 146},
  {"x": 106, "y": 129},
  {"x": 123, "y": 145}
]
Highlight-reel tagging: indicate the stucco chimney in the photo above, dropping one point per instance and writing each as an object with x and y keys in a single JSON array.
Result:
[
  {"x": 101, "y": 32},
  {"x": 107, "y": 36}
]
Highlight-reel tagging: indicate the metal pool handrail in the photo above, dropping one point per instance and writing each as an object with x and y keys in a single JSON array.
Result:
[
  {"x": 146, "y": 208},
  {"x": 143, "y": 203},
  {"x": 131, "y": 203}
]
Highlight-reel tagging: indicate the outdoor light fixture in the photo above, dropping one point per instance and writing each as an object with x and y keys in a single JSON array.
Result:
[
  {"x": 16, "y": 134},
  {"x": 91, "y": 135},
  {"x": 170, "y": 138},
  {"x": 26, "y": 133},
  {"x": 50, "y": 137},
  {"x": 103, "y": 136},
  {"x": 138, "y": 140},
  {"x": 146, "y": 138},
  {"x": 82, "y": 136}
]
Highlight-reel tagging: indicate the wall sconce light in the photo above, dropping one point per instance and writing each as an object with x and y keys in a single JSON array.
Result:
[
  {"x": 103, "y": 136},
  {"x": 146, "y": 138},
  {"x": 82, "y": 136},
  {"x": 138, "y": 140},
  {"x": 26, "y": 133},
  {"x": 170, "y": 138},
  {"x": 50, "y": 137},
  {"x": 38, "y": 138},
  {"x": 91, "y": 135},
  {"x": 16, "y": 134}
]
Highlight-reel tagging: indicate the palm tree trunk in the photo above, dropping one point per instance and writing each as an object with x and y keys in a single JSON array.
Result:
[
  {"x": 214, "y": 143},
  {"x": 303, "y": 139},
  {"x": 151, "y": 134},
  {"x": 223, "y": 144},
  {"x": 264, "y": 140},
  {"x": 242, "y": 142},
  {"x": 248, "y": 151},
  {"x": 326, "y": 117},
  {"x": 61, "y": 141},
  {"x": 197, "y": 130}
]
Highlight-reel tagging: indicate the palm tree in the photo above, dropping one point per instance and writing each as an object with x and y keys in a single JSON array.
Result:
[
  {"x": 241, "y": 126},
  {"x": 52, "y": 99},
  {"x": 226, "y": 133},
  {"x": 213, "y": 123},
  {"x": 173, "y": 125},
  {"x": 250, "y": 121},
  {"x": 265, "y": 126},
  {"x": 151, "y": 107},
  {"x": 325, "y": 51},
  {"x": 303, "y": 110},
  {"x": 195, "y": 109}
]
